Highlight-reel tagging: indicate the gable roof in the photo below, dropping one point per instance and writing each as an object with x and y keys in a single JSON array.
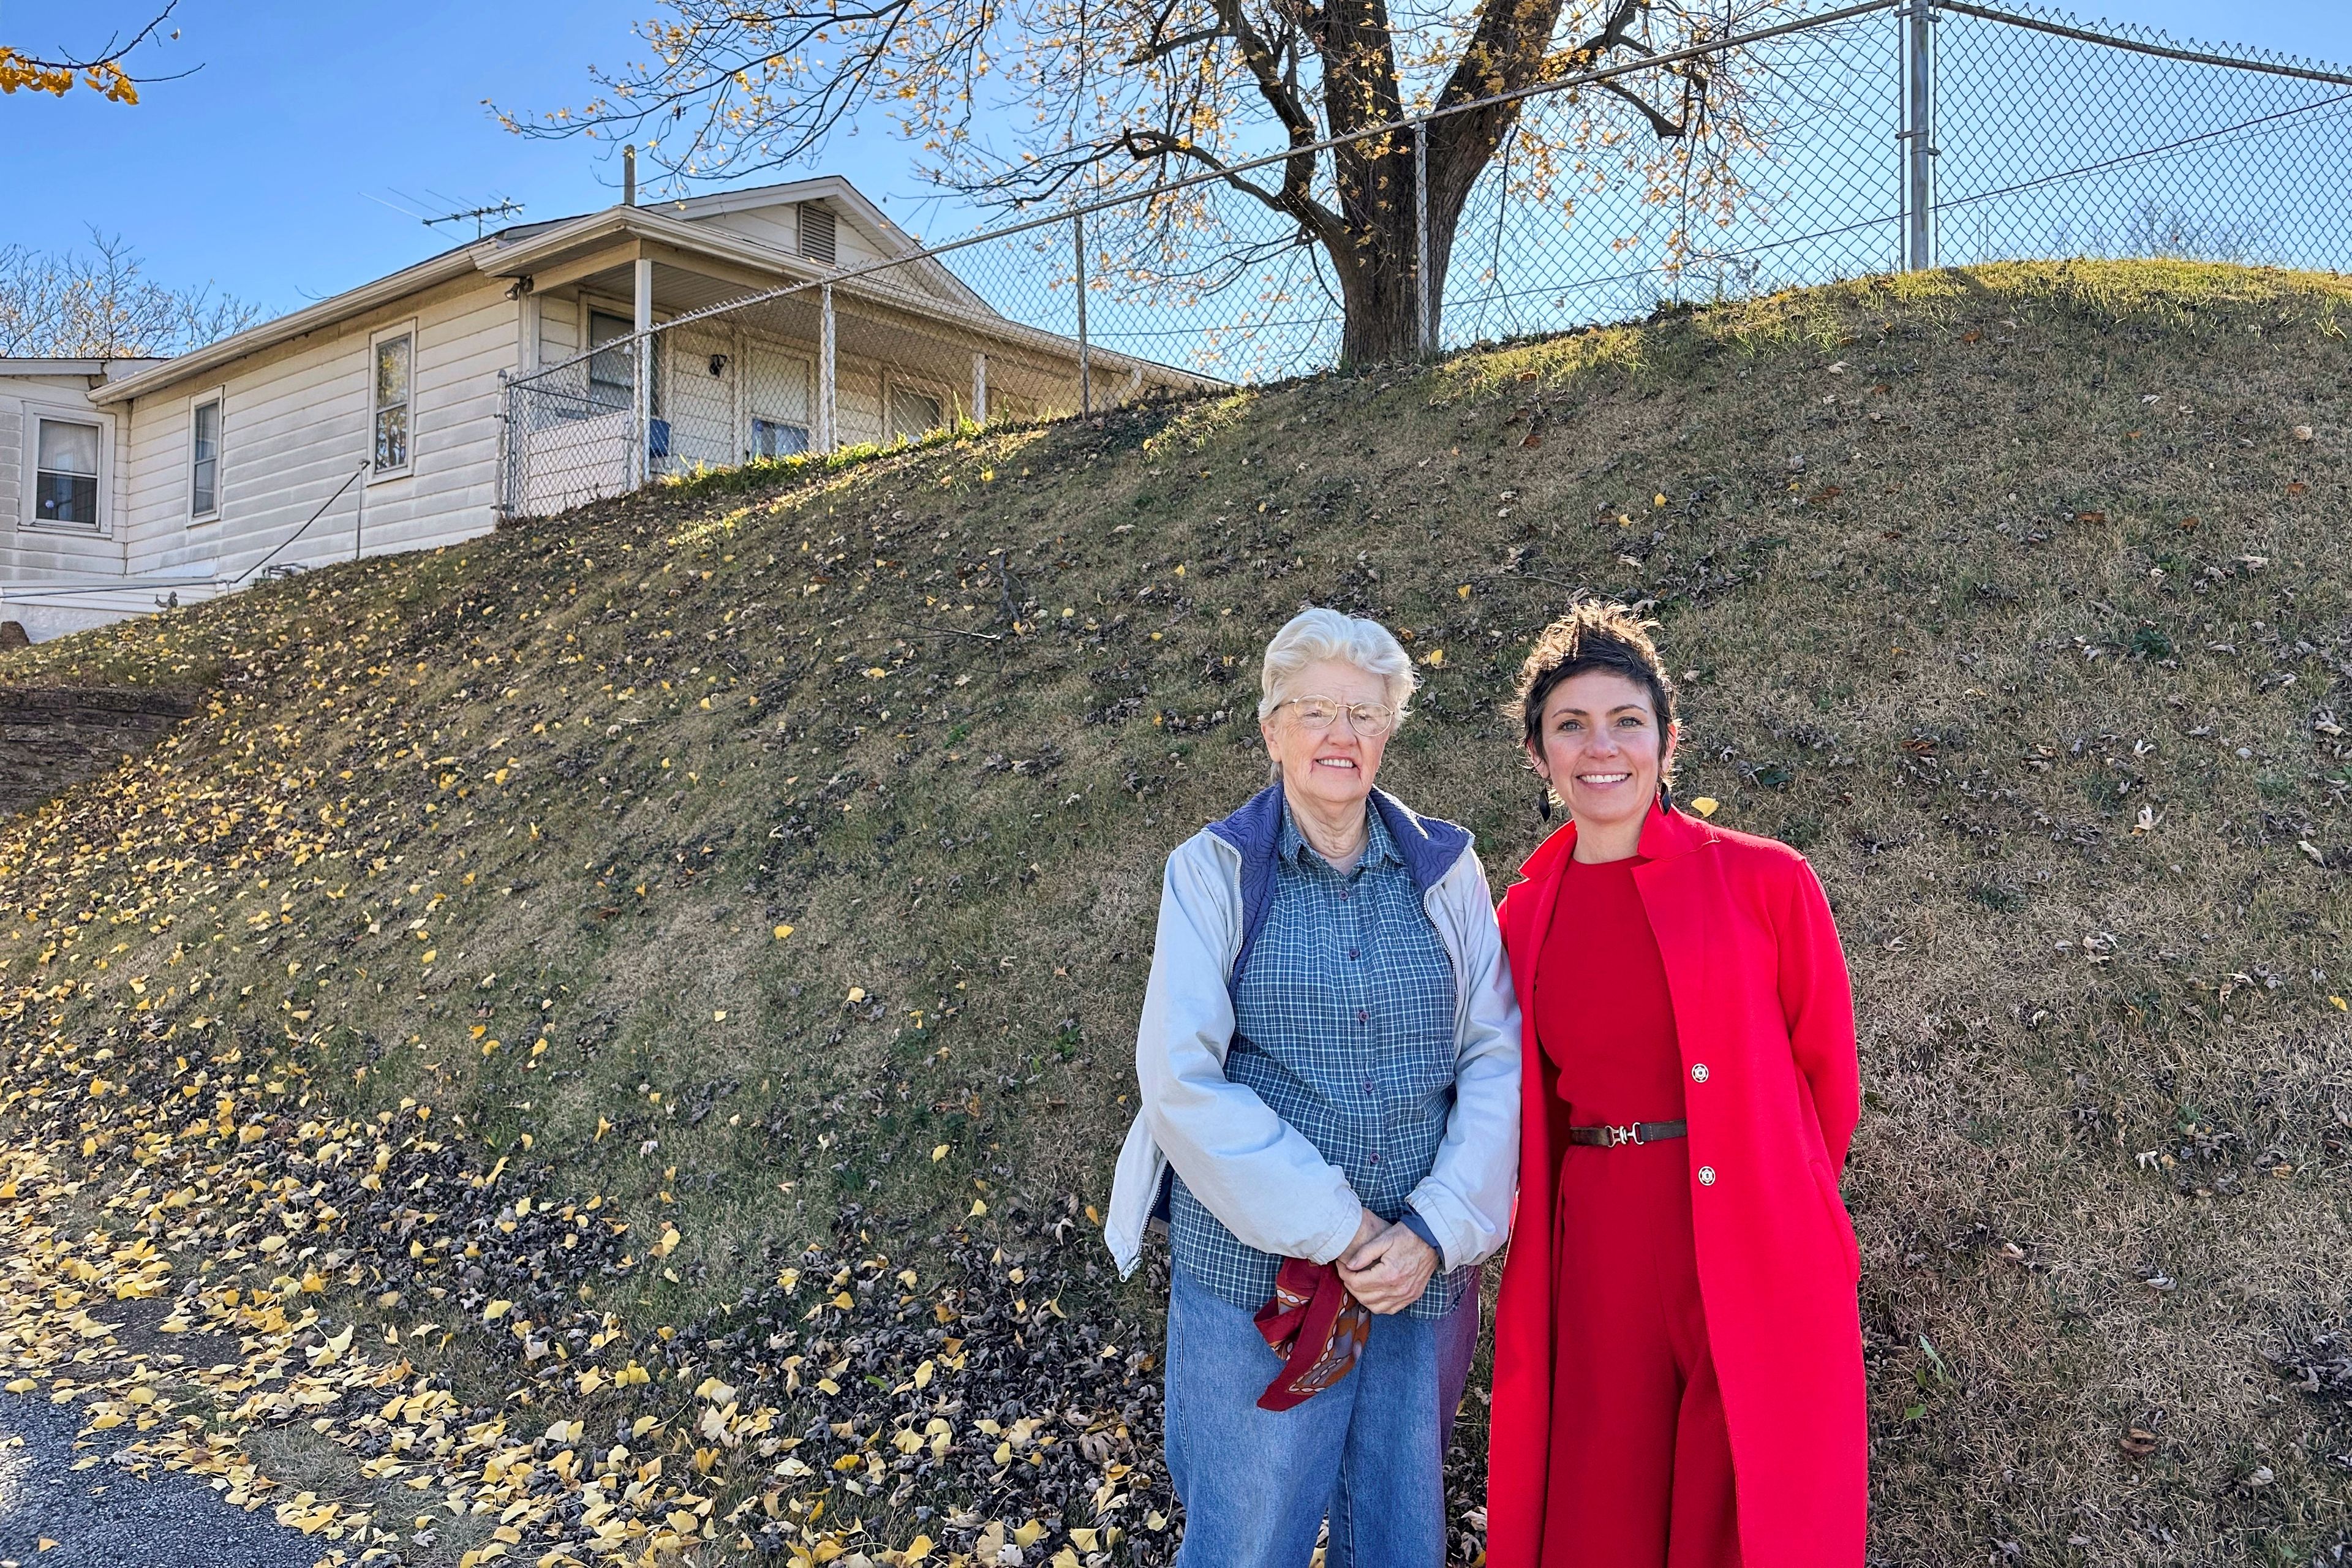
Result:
[{"x": 515, "y": 252}]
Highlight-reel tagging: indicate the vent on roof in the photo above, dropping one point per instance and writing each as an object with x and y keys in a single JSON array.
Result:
[{"x": 816, "y": 232}]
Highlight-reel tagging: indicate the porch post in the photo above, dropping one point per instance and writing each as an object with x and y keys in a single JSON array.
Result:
[
  {"x": 527, "y": 328},
  {"x": 641, "y": 447},
  {"x": 980, "y": 388},
  {"x": 827, "y": 436}
]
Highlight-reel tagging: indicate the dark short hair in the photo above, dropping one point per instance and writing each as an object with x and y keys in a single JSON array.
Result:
[{"x": 1592, "y": 636}]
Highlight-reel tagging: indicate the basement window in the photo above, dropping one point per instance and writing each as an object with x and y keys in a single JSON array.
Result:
[
  {"x": 913, "y": 415},
  {"x": 817, "y": 233},
  {"x": 777, "y": 437}
]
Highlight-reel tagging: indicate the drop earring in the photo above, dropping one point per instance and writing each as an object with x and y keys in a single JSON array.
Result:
[
  {"x": 1665, "y": 797},
  {"x": 1543, "y": 802}
]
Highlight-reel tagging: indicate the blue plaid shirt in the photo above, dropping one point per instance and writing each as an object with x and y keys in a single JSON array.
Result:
[{"x": 1344, "y": 1024}]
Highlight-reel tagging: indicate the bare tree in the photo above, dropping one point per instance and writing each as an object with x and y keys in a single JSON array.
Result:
[
  {"x": 99, "y": 305},
  {"x": 1021, "y": 101},
  {"x": 103, "y": 72}
]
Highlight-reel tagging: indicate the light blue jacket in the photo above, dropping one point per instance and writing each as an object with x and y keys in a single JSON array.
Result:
[{"x": 1258, "y": 1173}]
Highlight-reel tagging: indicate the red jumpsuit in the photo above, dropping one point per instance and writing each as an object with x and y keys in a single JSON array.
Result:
[{"x": 1641, "y": 1471}]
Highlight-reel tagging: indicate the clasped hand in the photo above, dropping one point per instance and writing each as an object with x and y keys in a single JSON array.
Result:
[{"x": 1386, "y": 1267}]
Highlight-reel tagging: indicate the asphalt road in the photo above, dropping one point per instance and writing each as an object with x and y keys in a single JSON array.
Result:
[{"x": 106, "y": 1518}]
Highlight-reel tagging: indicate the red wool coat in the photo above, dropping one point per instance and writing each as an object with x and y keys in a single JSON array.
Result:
[{"x": 1761, "y": 999}]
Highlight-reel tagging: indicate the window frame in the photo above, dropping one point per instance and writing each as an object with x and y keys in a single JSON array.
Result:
[
  {"x": 656, "y": 371},
  {"x": 64, "y": 413},
  {"x": 777, "y": 422},
  {"x": 217, "y": 400},
  {"x": 376, "y": 339},
  {"x": 950, "y": 408}
]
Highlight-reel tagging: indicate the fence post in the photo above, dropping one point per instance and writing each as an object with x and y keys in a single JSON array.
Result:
[
  {"x": 979, "y": 387},
  {"x": 827, "y": 437},
  {"x": 502, "y": 505},
  {"x": 1917, "y": 135},
  {"x": 1426, "y": 326},
  {"x": 739, "y": 432},
  {"x": 1085, "y": 366},
  {"x": 642, "y": 400}
]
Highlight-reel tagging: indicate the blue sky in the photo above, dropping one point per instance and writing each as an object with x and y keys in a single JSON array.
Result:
[{"x": 267, "y": 171}]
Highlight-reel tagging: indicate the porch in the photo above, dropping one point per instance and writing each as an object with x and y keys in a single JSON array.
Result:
[{"x": 645, "y": 360}]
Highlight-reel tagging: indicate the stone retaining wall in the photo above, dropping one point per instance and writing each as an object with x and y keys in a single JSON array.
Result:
[{"x": 54, "y": 737}]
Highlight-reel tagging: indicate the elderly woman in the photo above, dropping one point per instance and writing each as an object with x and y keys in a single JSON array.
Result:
[{"x": 1329, "y": 1063}]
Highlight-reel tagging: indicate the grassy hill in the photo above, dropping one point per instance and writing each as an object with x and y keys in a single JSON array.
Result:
[{"x": 612, "y": 1038}]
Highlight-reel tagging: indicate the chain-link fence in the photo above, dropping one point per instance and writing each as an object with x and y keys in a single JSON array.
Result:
[{"x": 1889, "y": 135}]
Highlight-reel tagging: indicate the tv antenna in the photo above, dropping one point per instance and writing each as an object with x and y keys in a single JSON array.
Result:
[{"x": 505, "y": 206}]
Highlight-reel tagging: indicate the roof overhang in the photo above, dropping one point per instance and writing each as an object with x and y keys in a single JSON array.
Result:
[{"x": 427, "y": 274}]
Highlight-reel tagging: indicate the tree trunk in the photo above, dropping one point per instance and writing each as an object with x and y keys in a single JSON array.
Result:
[
  {"x": 1380, "y": 260},
  {"x": 1379, "y": 267},
  {"x": 1382, "y": 323}
]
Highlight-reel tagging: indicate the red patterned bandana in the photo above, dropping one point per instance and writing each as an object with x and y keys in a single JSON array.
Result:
[{"x": 1314, "y": 1326}]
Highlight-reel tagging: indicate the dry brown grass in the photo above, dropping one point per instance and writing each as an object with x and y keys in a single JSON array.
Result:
[{"x": 2055, "y": 553}]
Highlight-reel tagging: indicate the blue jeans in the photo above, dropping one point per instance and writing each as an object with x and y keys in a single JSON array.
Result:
[{"x": 1368, "y": 1453}]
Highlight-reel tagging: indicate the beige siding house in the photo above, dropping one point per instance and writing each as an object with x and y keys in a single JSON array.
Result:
[{"x": 375, "y": 420}]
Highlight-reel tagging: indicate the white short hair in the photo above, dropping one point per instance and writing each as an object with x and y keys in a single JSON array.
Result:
[{"x": 1314, "y": 636}]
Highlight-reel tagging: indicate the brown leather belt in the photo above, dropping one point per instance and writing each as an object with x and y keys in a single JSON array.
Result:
[{"x": 1638, "y": 1133}]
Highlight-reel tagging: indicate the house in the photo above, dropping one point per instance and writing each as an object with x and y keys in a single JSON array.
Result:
[{"x": 502, "y": 378}]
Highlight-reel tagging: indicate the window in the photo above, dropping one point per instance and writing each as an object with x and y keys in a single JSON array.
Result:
[
  {"x": 65, "y": 484},
  {"x": 913, "y": 413},
  {"x": 612, "y": 362},
  {"x": 203, "y": 459},
  {"x": 777, "y": 437},
  {"x": 817, "y": 233},
  {"x": 610, "y": 381},
  {"x": 395, "y": 364}
]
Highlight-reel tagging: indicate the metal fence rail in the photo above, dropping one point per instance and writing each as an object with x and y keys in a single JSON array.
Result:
[{"x": 1892, "y": 134}]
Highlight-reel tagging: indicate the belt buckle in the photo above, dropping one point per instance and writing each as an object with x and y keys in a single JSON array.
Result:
[{"x": 1618, "y": 1136}]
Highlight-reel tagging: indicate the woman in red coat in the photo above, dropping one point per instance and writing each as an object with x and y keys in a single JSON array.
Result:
[{"x": 1677, "y": 1354}]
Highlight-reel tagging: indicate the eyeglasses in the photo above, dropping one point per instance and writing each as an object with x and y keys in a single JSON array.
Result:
[{"x": 1370, "y": 721}]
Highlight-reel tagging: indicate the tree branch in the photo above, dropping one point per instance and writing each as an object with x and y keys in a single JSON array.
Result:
[
  {"x": 1317, "y": 218},
  {"x": 1160, "y": 48},
  {"x": 1667, "y": 130},
  {"x": 102, "y": 72}
]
